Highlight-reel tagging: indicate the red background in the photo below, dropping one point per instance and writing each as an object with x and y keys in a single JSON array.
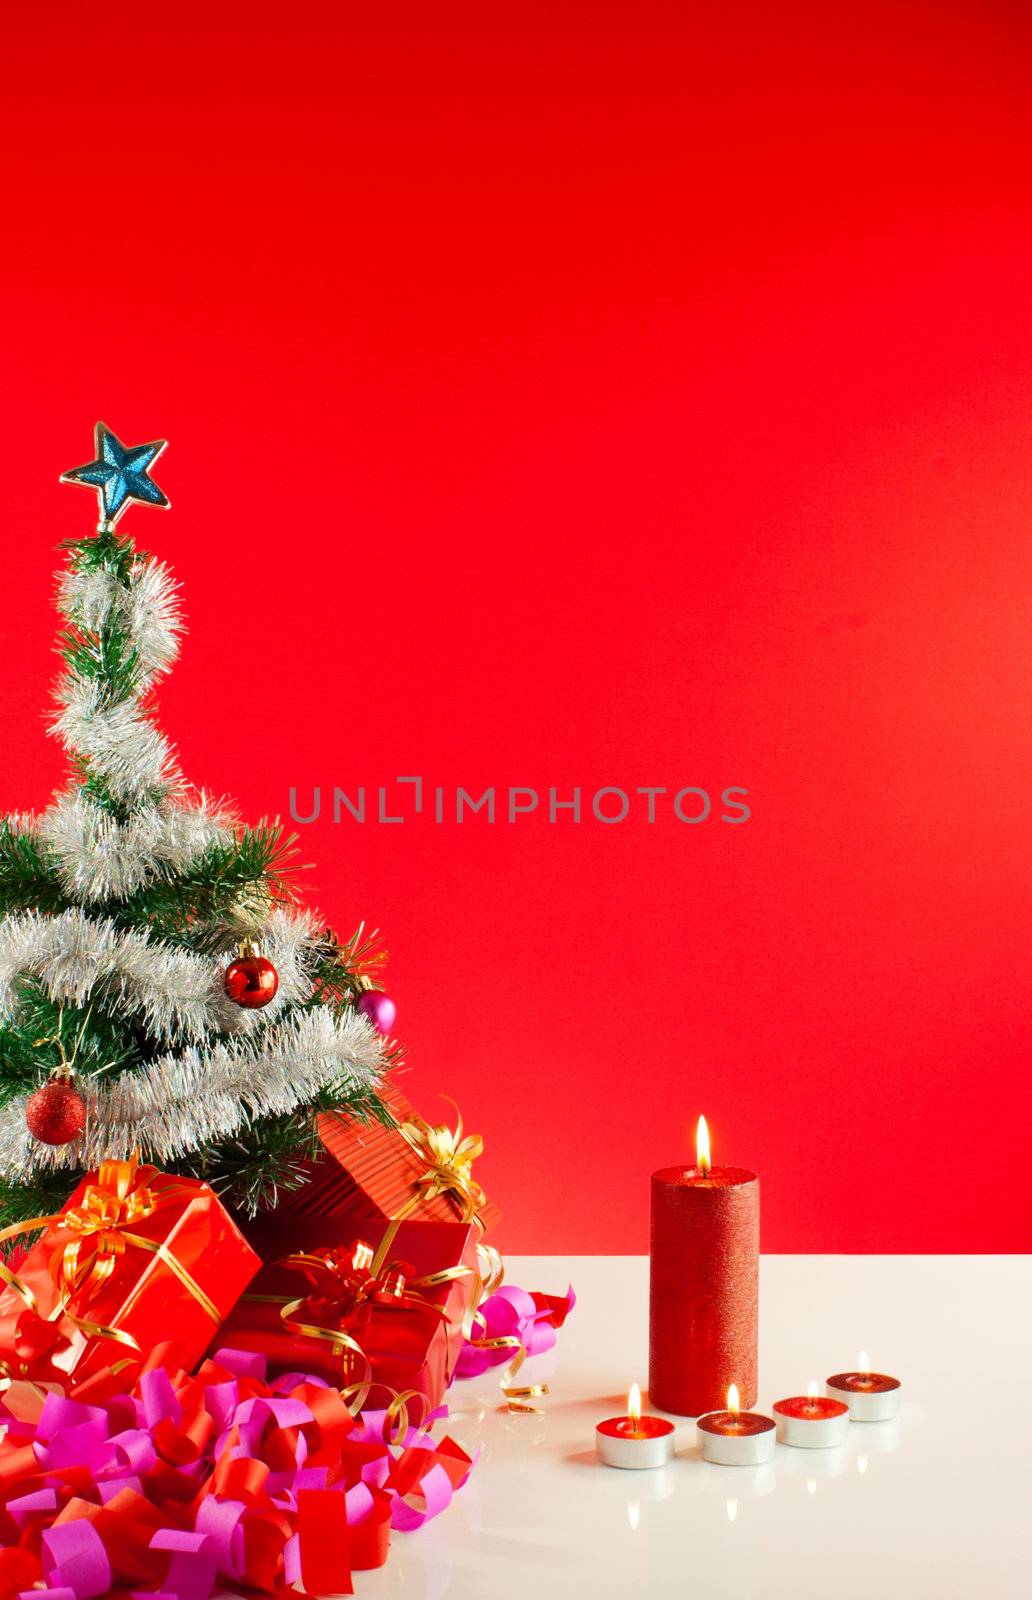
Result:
[{"x": 573, "y": 396}]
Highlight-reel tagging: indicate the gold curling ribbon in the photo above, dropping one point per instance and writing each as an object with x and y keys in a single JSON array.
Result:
[
  {"x": 120, "y": 1197},
  {"x": 515, "y": 1394},
  {"x": 10, "y": 1278},
  {"x": 492, "y": 1269},
  {"x": 451, "y": 1155},
  {"x": 492, "y": 1273},
  {"x": 9, "y": 1375}
]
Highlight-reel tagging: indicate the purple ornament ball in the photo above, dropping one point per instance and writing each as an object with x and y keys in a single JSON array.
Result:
[{"x": 379, "y": 1009}]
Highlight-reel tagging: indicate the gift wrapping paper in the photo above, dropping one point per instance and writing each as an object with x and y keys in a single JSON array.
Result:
[
  {"x": 372, "y": 1173},
  {"x": 410, "y": 1344},
  {"x": 140, "y": 1260}
]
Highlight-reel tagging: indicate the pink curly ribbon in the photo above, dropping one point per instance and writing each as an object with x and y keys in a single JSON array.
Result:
[
  {"x": 513, "y": 1314},
  {"x": 179, "y": 1485}
]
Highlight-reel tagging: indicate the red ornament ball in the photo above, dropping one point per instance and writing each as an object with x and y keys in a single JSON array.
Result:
[
  {"x": 251, "y": 981},
  {"x": 56, "y": 1113}
]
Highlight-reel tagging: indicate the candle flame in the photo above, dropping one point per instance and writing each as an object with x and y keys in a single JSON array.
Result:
[
  {"x": 734, "y": 1401},
  {"x": 811, "y": 1389},
  {"x": 732, "y": 1508},
  {"x": 702, "y": 1150},
  {"x": 634, "y": 1514},
  {"x": 634, "y": 1403},
  {"x": 863, "y": 1363}
]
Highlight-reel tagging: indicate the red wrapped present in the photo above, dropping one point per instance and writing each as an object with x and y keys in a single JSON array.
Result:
[
  {"x": 375, "y": 1323},
  {"x": 370, "y": 1173},
  {"x": 136, "y": 1258}
]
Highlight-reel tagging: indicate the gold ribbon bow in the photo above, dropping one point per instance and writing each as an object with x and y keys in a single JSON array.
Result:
[
  {"x": 99, "y": 1228},
  {"x": 351, "y": 1281},
  {"x": 451, "y": 1155}
]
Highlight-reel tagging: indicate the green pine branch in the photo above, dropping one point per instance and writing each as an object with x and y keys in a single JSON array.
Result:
[
  {"x": 191, "y": 908},
  {"x": 21, "y": 1202},
  {"x": 28, "y": 881},
  {"x": 43, "y": 1033},
  {"x": 104, "y": 550},
  {"x": 106, "y": 657},
  {"x": 97, "y": 790}
]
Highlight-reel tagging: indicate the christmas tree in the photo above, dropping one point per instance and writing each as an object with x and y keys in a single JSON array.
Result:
[{"x": 162, "y": 991}]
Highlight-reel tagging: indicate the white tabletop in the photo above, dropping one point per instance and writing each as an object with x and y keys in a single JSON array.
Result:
[{"x": 939, "y": 1506}]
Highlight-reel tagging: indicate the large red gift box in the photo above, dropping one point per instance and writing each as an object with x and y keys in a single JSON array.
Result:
[
  {"x": 369, "y": 1173},
  {"x": 411, "y": 1338},
  {"x": 138, "y": 1258}
]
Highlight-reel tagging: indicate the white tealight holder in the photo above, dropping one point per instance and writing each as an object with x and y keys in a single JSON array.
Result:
[
  {"x": 870, "y": 1396},
  {"x": 812, "y": 1422},
  {"x": 736, "y": 1438}
]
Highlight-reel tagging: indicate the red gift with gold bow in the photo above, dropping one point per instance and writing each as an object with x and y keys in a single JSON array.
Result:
[
  {"x": 380, "y": 1317},
  {"x": 137, "y": 1258},
  {"x": 370, "y": 1173}
]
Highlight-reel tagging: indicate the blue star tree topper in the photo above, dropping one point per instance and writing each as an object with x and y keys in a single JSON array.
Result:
[{"x": 119, "y": 475}]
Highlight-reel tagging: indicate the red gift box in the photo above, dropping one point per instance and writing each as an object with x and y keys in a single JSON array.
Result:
[
  {"x": 370, "y": 1173},
  {"x": 137, "y": 1258},
  {"x": 408, "y": 1314}
]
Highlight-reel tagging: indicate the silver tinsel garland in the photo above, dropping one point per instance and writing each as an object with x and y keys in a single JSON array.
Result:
[
  {"x": 178, "y": 994},
  {"x": 148, "y": 609},
  {"x": 120, "y": 741},
  {"x": 99, "y": 857},
  {"x": 185, "y": 1102}
]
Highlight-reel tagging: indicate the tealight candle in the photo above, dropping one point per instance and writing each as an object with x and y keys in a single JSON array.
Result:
[
  {"x": 811, "y": 1422},
  {"x": 635, "y": 1441},
  {"x": 870, "y": 1396},
  {"x": 735, "y": 1438}
]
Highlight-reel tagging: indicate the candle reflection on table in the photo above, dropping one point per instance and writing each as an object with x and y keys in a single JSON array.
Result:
[
  {"x": 750, "y": 1483},
  {"x": 820, "y": 1465}
]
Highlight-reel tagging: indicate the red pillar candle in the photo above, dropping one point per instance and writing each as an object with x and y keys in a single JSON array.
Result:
[{"x": 704, "y": 1284}]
